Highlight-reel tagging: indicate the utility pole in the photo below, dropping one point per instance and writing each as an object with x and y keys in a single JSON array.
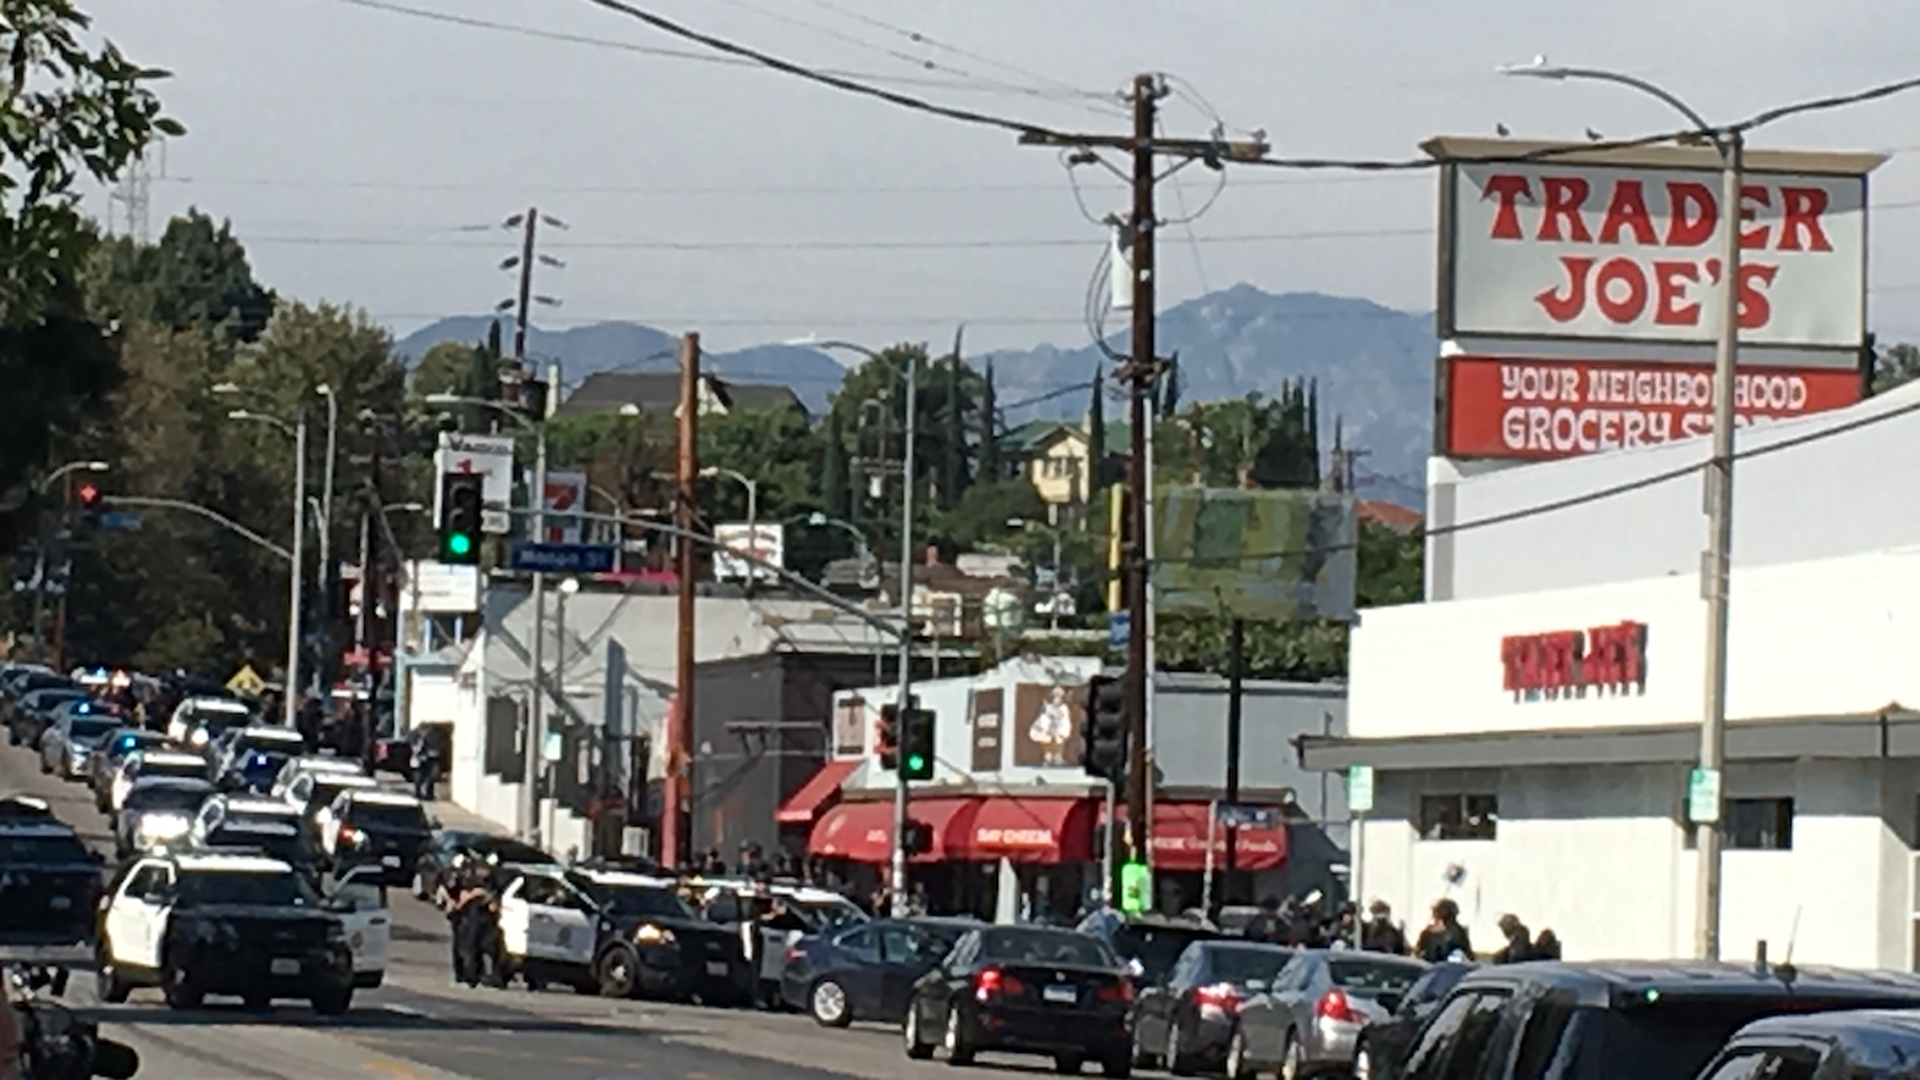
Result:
[
  {"x": 524, "y": 306},
  {"x": 60, "y": 605},
  {"x": 1142, "y": 369},
  {"x": 901, "y": 794},
  {"x": 676, "y": 826}
]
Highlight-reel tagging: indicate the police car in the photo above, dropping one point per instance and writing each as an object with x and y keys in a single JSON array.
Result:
[
  {"x": 198, "y": 720},
  {"x": 657, "y": 944},
  {"x": 733, "y": 901},
  {"x": 142, "y": 764},
  {"x": 268, "y": 825},
  {"x": 234, "y": 924}
]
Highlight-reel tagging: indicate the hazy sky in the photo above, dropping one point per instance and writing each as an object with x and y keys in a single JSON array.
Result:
[{"x": 368, "y": 156}]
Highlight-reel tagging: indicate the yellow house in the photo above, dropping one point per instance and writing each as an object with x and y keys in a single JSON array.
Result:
[{"x": 1055, "y": 457}]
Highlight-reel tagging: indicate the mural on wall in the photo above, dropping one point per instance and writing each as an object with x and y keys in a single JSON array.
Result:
[
  {"x": 988, "y": 706},
  {"x": 1047, "y": 722},
  {"x": 850, "y": 726}
]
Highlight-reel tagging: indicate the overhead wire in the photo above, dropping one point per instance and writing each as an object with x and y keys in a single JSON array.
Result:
[{"x": 980, "y": 244}]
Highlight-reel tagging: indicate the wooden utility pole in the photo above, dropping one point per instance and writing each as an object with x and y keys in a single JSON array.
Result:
[
  {"x": 676, "y": 826},
  {"x": 523, "y": 309},
  {"x": 1140, "y": 372}
]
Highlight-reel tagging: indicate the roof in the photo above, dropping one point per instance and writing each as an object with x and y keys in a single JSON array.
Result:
[
  {"x": 152, "y": 783},
  {"x": 1882, "y": 1038},
  {"x": 328, "y": 765},
  {"x": 659, "y": 392},
  {"x": 1392, "y": 515},
  {"x": 215, "y": 704},
  {"x": 624, "y": 879},
  {"x": 383, "y": 798},
  {"x": 169, "y": 757},
  {"x": 1698, "y": 977},
  {"x": 261, "y": 806},
  {"x": 1658, "y": 155},
  {"x": 232, "y": 864},
  {"x": 279, "y": 733},
  {"x": 346, "y": 780},
  {"x": 32, "y": 827}
]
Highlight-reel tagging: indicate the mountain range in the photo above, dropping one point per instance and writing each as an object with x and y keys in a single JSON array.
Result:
[{"x": 1373, "y": 366}]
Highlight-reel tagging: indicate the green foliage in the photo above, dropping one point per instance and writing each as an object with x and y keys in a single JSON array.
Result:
[
  {"x": 1097, "y": 435},
  {"x": 836, "y": 492},
  {"x": 1391, "y": 567},
  {"x": 982, "y": 514},
  {"x": 1895, "y": 365},
  {"x": 444, "y": 369},
  {"x": 777, "y": 448},
  {"x": 198, "y": 275},
  {"x": 70, "y": 112},
  {"x": 1253, "y": 442},
  {"x": 991, "y": 467}
]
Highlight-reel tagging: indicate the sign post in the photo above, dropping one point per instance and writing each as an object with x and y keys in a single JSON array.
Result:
[{"x": 1359, "y": 804}]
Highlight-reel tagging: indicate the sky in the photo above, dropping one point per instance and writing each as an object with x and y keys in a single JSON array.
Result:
[{"x": 368, "y": 156}]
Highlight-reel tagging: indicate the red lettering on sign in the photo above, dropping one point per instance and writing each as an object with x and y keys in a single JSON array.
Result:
[
  {"x": 1507, "y": 188},
  {"x": 1627, "y": 212},
  {"x": 1565, "y": 196},
  {"x": 1800, "y": 229},
  {"x": 1569, "y": 663},
  {"x": 1693, "y": 215}
]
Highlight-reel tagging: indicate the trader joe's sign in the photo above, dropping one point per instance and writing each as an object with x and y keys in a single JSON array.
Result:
[
  {"x": 1553, "y": 249},
  {"x": 1538, "y": 409}
]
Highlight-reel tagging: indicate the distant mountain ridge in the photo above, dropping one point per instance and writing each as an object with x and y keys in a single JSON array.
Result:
[{"x": 1374, "y": 366}]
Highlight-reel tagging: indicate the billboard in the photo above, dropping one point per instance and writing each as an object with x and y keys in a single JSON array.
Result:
[
  {"x": 1624, "y": 245},
  {"x": 1542, "y": 409},
  {"x": 1263, "y": 555},
  {"x": 762, "y": 540}
]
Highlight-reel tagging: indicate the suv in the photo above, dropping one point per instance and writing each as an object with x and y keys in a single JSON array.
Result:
[
  {"x": 657, "y": 944},
  {"x": 1151, "y": 944},
  {"x": 49, "y": 882},
  {"x": 381, "y": 829},
  {"x": 245, "y": 925},
  {"x": 1837, "y": 1044},
  {"x": 1623, "y": 1021}
]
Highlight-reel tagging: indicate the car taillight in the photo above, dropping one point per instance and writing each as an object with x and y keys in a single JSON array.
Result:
[
  {"x": 349, "y": 834},
  {"x": 1121, "y": 991},
  {"x": 1336, "y": 1006},
  {"x": 993, "y": 982},
  {"x": 1222, "y": 996}
]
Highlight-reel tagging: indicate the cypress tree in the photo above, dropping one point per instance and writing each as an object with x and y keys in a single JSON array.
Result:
[
  {"x": 1097, "y": 435},
  {"x": 990, "y": 469}
]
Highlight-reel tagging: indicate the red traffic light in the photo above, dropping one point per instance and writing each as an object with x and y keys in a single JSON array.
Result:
[{"x": 88, "y": 494}]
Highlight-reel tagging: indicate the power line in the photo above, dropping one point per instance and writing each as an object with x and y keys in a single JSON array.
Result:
[{"x": 983, "y": 244}]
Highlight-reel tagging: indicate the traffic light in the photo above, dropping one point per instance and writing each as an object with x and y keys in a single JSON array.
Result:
[
  {"x": 916, "y": 744},
  {"x": 460, "y": 505},
  {"x": 917, "y": 838},
  {"x": 1103, "y": 751},
  {"x": 886, "y": 736},
  {"x": 87, "y": 495}
]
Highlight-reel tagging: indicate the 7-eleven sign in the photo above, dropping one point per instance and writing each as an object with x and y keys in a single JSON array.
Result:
[{"x": 566, "y": 497}]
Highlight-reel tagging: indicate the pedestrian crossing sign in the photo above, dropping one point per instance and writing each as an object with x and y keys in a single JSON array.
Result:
[{"x": 1136, "y": 887}]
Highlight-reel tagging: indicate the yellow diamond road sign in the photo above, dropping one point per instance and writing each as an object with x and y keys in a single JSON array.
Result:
[{"x": 246, "y": 682}]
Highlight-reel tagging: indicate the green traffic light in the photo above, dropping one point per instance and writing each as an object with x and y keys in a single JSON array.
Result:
[
  {"x": 459, "y": 544},
  {"x": 916, "y": 763}
]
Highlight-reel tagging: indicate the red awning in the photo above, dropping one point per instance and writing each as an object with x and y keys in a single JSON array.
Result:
[
  {"x": 1180, "y": 841},
  {"x": 863, "y": 831},
  {"x": 1028, "y": 831},
  {"x": 822, "y": 787}
]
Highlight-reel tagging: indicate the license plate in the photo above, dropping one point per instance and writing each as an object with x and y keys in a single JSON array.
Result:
[
  {"x": 285, "y": 967},
  {"x": 60, "y": 903},
  {"x": 1066, "y": 995},
  {"x": 716, "y": 967},
  {"x": 390, "y": 861}
]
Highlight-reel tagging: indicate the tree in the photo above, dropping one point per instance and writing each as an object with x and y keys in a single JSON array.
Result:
[
  {"x": 69, "y": 111},
  {"x": 1390, "y": 566},
  {"x": 991, "y": 470},
  {"x": 954, "y": 471},
  {"x": 1097, "y": 434},
  {"x": 443, "y": 369},
  {"x": 777, "y": 448},
  {"x": 198, "y": 275},
  {"x": 981, "y": 517},
  {"x": 835, "y": 491},
  {"x": 1895, "y": 365},
  {"x": 1170, "y": 388},
  {"x": 1252, "y": 442}
]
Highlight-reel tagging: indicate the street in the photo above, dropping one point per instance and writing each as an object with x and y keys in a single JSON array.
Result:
[{"x": 420, "y": 1026}]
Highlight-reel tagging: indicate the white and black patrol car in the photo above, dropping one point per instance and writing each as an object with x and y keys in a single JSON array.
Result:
[
  {"x": 553, "y": 929},
  {"x": 241, "y": 925}
]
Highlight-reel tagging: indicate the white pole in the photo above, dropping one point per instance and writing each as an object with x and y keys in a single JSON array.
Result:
[
  {"x": 292, "y": 692},
  {"x": 900, "y": 794}
]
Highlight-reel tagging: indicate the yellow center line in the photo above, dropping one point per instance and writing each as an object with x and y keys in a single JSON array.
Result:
[{"x": 395, "y": 1069}]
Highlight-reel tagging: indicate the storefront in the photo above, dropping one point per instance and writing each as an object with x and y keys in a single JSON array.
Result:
[{"x": 1531, "y": 756}]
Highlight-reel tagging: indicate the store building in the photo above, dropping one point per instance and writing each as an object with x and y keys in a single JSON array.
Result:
[{"x": 1016, "y": 823}]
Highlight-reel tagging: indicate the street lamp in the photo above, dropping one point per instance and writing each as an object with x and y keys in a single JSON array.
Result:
[
  {"x": 536, "y": 716},
  {"x": 753, "y": 507},
  {"x": 898, "y": 880},
  {"x": 1730, "y": 145},
  {"x": 819, "y": 520},
  {"x": 1053, "y": 605},
  {"x": 298, "y": 429}
]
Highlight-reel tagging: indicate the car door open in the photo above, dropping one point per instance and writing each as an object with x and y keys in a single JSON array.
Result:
[{"x": 359, "y": 898}]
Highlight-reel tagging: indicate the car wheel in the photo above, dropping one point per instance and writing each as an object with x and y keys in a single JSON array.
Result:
[
  {"x": 334, "y": 1002},
  {"x": 959, "y": 1047},
  {"x": 177, "y": 984},
  {"x": 1238, "y": 1065},
  {"x": 1141, "y": 1057},
  {"x": 917, "y": 1048},
  {"x": 1176, "y": 1060},
  {"x": 1117, "y": 1068},
  {"x": 108, "y": 984},
  {"x": 1067, "y": 1064},
  {"x": 1362, "y": 1062},
  {"x": 1293, "y": 1059},
  {"x": 828, "y": 1004},
  {"x": 617, "y": 973}
]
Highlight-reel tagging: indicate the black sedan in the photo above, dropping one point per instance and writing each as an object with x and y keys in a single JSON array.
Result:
[
  {"x": 49, "y": 883},
  {"x": 1025, "y": 990},
  {"x": 1188, "y": 1020},
  {"x": 1383, "y": 1044},
  {"x": 449, "y": 844},
  {"x": 864, "y": 971}
]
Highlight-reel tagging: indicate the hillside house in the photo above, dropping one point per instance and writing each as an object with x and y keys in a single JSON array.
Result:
[{"x": 657, "y": 394}]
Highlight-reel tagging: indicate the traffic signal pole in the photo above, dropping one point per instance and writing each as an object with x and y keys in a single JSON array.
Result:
[
  {"x": 901, "y": 792},
  {"x": 537, "y": 709},
  {"x": 290, "y": 695},
  {"x": 1142, "y": 368}
]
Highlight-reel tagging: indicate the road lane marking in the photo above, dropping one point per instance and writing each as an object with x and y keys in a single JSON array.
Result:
[{"x": 392, "y": 1068}]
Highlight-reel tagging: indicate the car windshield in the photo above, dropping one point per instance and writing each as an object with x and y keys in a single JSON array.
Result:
[
  {"x": 50, "y": 699},
  {"x": 272, "y": 744},
  {"x": 41, "y": 849},
  {"x": 388, "y": 816},
  {"x": 233, "y": 887},
  {"x": 278, "y": 839},
  {"x": 1675, "y": 1038},
  {"x": 1241, "y": 966},
  {"x": 1157, "y": 947},
  {"x": 1382, "y": 976},
  {"x": 171, "y": 768},
  {"x": 1023, "y": 946},
  {"x": 93, "y": 729},
  {"x": 167, "y": 797},
  {"x": 641, "y": 901}
]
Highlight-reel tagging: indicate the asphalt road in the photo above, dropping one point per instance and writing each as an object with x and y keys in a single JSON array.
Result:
[{"x": 421, "y": 1026}]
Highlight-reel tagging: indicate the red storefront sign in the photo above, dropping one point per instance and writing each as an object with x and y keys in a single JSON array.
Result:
[
  {"x": 1539, "y": 409},
  {"x": 1569, "y": 663}
]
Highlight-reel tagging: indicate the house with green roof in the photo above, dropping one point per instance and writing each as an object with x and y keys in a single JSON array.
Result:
[{"x": 1054, "y": 456}]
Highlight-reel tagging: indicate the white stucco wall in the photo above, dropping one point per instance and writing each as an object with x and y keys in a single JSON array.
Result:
[
  {"x": 1820, "y": 499},
  {"x": 1812, "y": 639}
]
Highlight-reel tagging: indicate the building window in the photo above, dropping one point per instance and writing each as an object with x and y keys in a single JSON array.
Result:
[
  {"x": 1459, "y": 817},
  {"x": 1759, "y": 824}
]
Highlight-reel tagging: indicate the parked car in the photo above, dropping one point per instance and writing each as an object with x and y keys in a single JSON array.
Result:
[
  {"x": 1383, "y": 1044},
  {"x": 19, "y": 681},
  {"x": 1025, "y": 990},
  {"x": 863, "y": 971},
  {"x": 1187, "y": 1020},
  {"x": 1151, "y": 942},
  {"x": 1871, "y": 1043},
  {"x": 79, "y": 730},
  {"x": 1630, "y": 1020},
  {"x": 1306, "y": 1020}
]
